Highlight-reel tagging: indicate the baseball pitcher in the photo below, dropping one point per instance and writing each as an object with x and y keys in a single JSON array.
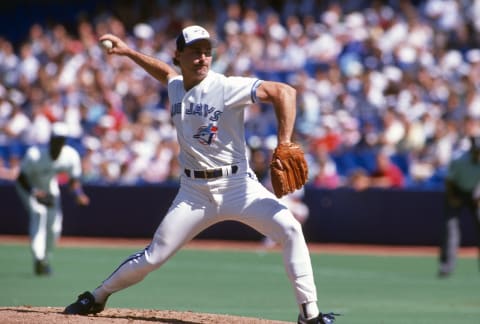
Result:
[{"x": 218, "y": 184}]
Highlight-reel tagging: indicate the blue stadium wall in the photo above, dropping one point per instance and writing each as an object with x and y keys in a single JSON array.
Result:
[{"x": 337, "y": 216}]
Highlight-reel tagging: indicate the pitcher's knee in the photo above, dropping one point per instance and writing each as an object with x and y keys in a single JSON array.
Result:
[
  {"x": 158, "y": 254},
  {"x": 292, "y": 232}
]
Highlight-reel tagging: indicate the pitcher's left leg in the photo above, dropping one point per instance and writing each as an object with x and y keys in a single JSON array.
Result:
[
  {"x": 297, "y": 261},
  {"x": 271, "y": 218}
]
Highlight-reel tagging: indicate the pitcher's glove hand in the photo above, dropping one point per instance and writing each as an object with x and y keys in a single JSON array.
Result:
[{"x": 288, "y": 169}]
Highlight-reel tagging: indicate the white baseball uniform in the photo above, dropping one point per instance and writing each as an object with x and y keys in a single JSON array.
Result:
[
  {"x": 218, "y": 184},
  {"x": 41, "y": 172}
]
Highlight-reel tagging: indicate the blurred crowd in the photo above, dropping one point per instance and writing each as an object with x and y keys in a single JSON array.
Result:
[{"x": 387, "y": 90}]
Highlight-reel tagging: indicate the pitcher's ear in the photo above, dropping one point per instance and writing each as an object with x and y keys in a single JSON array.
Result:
[{"x": 175, "y": 60}]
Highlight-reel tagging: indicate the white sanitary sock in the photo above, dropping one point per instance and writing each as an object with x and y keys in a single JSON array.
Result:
[{"x": 309, "y": 310}]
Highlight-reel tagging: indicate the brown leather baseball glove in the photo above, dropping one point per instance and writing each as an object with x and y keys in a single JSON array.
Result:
[{"x": 288, "y": 169}]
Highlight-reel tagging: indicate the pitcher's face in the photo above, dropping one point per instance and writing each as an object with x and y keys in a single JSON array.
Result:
[{"x": 195, "y": 60}]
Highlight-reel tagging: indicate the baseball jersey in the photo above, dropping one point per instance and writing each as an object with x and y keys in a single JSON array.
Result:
[
  {"x": 209, "y": 119},
  {"x": 41, "y": 170},
  {"x": 464, "y": 172}
]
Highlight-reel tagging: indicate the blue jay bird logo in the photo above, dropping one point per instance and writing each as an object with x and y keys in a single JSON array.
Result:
[{"x": 206, "y": 134}]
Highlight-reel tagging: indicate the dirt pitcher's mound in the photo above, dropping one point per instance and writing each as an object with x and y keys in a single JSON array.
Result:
[{"x": 53, "y": 315}]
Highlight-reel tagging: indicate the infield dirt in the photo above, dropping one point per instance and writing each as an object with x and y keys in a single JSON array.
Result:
[{"x": 53, "y": 315}]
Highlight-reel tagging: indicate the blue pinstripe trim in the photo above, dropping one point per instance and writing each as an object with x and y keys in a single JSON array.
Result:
[
  {"x": 253, "y": 92},
  {"x": 136, "y": 255}
]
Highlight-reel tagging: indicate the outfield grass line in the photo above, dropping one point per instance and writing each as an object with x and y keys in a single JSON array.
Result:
[{"x": 201, "y": 244}]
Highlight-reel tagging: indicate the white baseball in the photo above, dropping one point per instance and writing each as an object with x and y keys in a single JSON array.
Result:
[{"x": 107, "y": 44}]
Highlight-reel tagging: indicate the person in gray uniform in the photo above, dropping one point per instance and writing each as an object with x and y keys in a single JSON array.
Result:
[{"x": 461, "y": 183}]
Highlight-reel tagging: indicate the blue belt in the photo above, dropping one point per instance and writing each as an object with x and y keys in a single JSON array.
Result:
[{"x": 211, "y": 173}]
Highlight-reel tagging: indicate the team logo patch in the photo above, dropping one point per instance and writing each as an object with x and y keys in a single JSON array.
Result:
[{"x": 206, "y": 134}]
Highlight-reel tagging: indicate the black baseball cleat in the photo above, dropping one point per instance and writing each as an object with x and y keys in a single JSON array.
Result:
[
  {"x": 443, "y": 274},
  {"x": 84, "y": 305},
  {"x": 328, "y": 318},
  {"x": 42, "y": 268}
]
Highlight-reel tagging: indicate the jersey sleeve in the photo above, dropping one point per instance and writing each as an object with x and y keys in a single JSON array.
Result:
[
  {"x": 75, "y": 170},
  {"x": 28, "y": 161},
  {"x": 174, "y": 87},
  {"x": 240, "y": 91}
]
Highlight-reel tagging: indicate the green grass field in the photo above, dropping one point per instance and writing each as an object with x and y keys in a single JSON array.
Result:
[{"x": 365, "y": 289}]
